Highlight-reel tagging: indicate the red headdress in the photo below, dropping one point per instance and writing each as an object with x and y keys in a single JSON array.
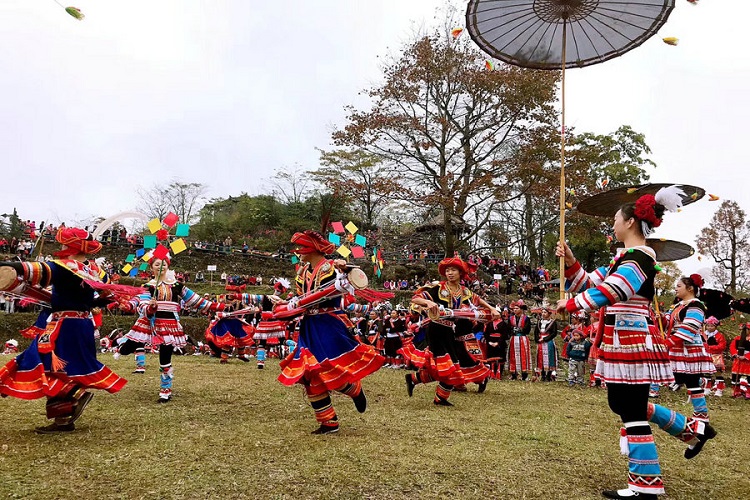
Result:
[
  {"x": 312, "y": 241},
  {"x": 76, "y": 241},
  {"x": 645, "y": 210},
  {"x": 697, "y": 280},
  {"x": 453, "y": 262},
  {"x": 711, "y": 320}
]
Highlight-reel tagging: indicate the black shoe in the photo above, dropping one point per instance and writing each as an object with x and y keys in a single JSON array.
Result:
[
  {"x": 636, "y": 494},
  {"x": 708, "y": 433},
  {"x": 482, "y": 386},
  {"x": 163, "y": 400},
  {"x": 244, "y": 359},
  {"x": 442, "y": 402},
  {"x": 84, "y": 400},
  {"x": 54, "y": 428},
  {"x": 360, "y": 401},
  {"x": 409, "y": 385},
  {"x": 325, "y": 429}
]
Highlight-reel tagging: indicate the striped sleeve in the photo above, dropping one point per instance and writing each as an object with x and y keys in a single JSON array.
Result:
[
  {"x": 192, "y": 300},
  {"x": 689, "y": 329},
  {"x": 37, "y": 273},
  {"x": 576, "y": 278},
  {"x": 619, "y": 286},
  {"x": 252, "y": 299}
]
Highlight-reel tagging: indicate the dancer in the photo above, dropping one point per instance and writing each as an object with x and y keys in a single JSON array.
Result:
[
  {"x": 739, "y": 349},
  {"x": 546, "y": 351},
  {"x": 688, "y": 358},
  {"x": 716, "y": 344},
  {"x": 519, "y": 349},
  {"x": 60, "y": 364},
  {"x": 632, "y": 354},
  {"x": 326, "y": 358},
  {"x": 226, "y": 334},
  {"x": 442, "y": 358},
  {"x": 159, "y": 323}
]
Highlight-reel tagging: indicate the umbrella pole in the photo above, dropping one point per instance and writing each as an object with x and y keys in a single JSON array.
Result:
[{"x": 562, "y": 161}]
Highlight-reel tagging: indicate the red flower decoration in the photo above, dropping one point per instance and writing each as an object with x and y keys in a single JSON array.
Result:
[
  {"x": 162, "y": 234},
  {"x": 644, "y": 210},
  {"x": 697, "y": 280}
]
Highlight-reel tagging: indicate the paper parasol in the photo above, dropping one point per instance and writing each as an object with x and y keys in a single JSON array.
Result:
[
  {"x": 553, "y": 34},
  {"x": 666, "y": 250},
  {"x": 609, "y": 202}
]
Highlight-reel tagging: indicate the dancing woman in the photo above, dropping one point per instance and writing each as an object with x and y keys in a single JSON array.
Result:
[
  {"x": 441, "y": 361},
  {"x": 60, "y": 364},
  {"x": 326, "y": 358},
  {"x": 159, "y": 321},
  {"x": 688, "y": 357},
  {"x": 632, "y": 354}
]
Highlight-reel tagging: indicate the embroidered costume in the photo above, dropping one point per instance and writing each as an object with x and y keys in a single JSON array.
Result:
[
  {"x": 632, "y": 355},
  {"x": 519, "y": 348},
  {"x": 739, "y": 349},
  {"x": 716, "y": 344},
  {"x": 60, "y": 364},
  {"x": 546, "y": 350},
  {"x": 326, "y": 357},
  {"x": 158, "y": 323}
]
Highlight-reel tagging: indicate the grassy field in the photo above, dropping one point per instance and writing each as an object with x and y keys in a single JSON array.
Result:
[{"x": 232, "y": 431}]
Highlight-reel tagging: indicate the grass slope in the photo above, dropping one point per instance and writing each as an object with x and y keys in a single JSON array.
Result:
[{"x": 232, "y": 431}]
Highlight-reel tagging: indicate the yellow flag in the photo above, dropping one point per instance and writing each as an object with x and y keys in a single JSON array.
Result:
[
  {"x": 343, "y": 251},
  {"x": 154, "y": 225},
  {"x": 351, "y": 227},
  {"x": 126, "y": 268},
  {"x": 178, "y": 246},
  {"x": 147, "y": 256}
]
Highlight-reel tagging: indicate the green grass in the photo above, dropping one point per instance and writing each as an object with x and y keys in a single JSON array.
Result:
[{"x": 233, "y": 431}]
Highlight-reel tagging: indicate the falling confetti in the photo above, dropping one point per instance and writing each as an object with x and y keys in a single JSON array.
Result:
[
  {"x": 671, "y": 40},
  {"x": 694, "y": 196},
  {"x": 712, "y": 197},
  {"x": 489, "y": 65},
  {"x": 456, "y": 32},
  {"x": 605, "y": 182},
  {"x": 632, "y": 190},
  {"x": 568, "y": 204}
]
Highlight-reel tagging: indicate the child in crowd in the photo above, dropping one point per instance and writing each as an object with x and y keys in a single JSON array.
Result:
[{"x": 578, "y": 352}]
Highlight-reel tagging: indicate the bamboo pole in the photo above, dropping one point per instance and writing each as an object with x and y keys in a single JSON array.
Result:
[{"x": 562, "y": 161}]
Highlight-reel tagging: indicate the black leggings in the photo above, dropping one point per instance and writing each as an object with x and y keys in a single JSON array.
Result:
[
  {"x": 690, "y": 380},
  {"x": 165, "y": 351},
  {"x": 629, "y": 401}
]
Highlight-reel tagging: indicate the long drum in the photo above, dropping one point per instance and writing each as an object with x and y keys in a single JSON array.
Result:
[
  {"x": 480, "y": 315},
  {"x": 355, "y": 277}
]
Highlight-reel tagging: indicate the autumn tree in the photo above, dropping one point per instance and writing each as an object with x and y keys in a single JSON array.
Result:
[
  {"x": 291, "y": 184},
  {"x": 727, "y": 241},
  {"x": 450, "y": 127},
  {"x": 361, "y": 178}
]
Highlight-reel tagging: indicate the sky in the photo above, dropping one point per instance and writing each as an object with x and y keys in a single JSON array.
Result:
[{"x": 225, "y": 92}]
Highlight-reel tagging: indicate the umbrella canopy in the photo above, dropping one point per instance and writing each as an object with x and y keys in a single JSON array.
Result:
[
  {"x": 607, "y": 204},
  {"x": 666, "y": 250},
  {"x": 530, "y": 33}
]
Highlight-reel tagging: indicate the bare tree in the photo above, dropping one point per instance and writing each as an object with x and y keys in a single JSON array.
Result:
[
  {"x": 727, "y": 241},
  {"x": 185, "y": 199},
  {"x": 291, "y": 185}
]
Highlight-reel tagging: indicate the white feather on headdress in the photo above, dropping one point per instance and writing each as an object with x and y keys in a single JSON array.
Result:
[
  {"x": 284, "y": 282},
  {"x": 670, "y": 197}
]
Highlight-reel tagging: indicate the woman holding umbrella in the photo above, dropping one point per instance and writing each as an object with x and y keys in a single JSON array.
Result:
[{"x": 632, "y": 354}]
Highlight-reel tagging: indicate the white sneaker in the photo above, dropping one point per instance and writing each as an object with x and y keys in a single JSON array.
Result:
[
  {"x": 116, "y": 355},
  {"x": 719, "y": 393}
]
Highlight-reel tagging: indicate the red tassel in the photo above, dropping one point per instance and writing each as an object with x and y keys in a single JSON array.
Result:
[
  {"x": 58, "y": 364},
  {"x": 370, "y": 295}
]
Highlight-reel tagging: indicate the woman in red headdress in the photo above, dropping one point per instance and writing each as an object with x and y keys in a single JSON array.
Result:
[
  {"x": 632, "y": 354},
  {"x": 327, "y": 358},
  {"x": 158, "y": 323},
  {"x": 443, "y": 358},
  {"x": 687, "y": 355},
  {"x": 60, "y": 364}
]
